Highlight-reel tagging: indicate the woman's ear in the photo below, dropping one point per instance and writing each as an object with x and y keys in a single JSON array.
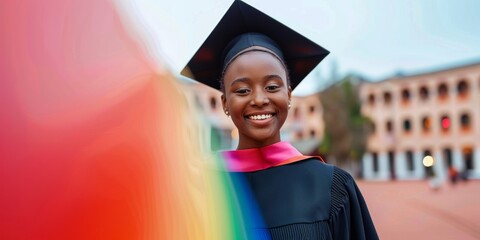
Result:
[
  {"x": 224, "y": 103},
  {"x": 289, "y": 93}
]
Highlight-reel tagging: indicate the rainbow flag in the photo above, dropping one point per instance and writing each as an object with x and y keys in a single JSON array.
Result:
[{"x": 95, "y": 142}]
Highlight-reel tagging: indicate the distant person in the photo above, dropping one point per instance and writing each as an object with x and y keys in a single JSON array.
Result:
[
  {"x": 453, "y": 175},
  {"x": 464, "y": 175},
  {"x": 434, "y": 180}
]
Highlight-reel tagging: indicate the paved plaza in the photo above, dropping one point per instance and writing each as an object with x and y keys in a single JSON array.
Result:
[{"x": 412, "y": 210}]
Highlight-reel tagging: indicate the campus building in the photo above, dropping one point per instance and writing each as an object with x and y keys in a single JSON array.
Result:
[
  {"x": 305, "y": 126},
  {"x": 430, "y": 114}
]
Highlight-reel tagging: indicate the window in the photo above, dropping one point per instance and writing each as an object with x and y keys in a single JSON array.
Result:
[
  {"x": 389, "y": 126},
  {"x": 405, "y": 95},
  {"x": 447, "y": 155},
  {"x": 427, "y": 152},
  {"x": 407, "y": 126},
  {"x": 391, "y": 164},
  {"x": 312, "y": 133},
  {"x": 424, "y": 93},
  {"x": 312, "y": 109},
  {"x": 296, "y": 113},
  {"x": 213, "y": 103},
  {"x": 445, "y": 123},
  {"x": 468, "y": 158},
  {"x": 428, "y": 168},
  {"x": 387, "y": 97},
  {"x": 465, "y": 121},
  {"x": 426, "y": 124},
  {"x": 299, "y": 135},
  {"x": 375, "y": 161},
  {"x": 462, "y": 88},
  {"x": 442, "y": 91},
  {"x": 371, "y": 99},
  {"x": 409, "y": 157}
]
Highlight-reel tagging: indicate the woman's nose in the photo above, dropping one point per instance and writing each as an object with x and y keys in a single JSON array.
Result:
[{"x": 259, "y": 98}]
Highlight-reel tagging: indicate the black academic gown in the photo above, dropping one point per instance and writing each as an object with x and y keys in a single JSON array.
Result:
[{"x": 308, "y": 200}]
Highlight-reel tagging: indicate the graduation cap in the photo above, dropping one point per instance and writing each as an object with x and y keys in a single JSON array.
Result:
[{"x": 243, "y": 26}]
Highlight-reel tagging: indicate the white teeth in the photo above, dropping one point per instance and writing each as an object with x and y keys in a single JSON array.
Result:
[{"x": 260, "y": 117}]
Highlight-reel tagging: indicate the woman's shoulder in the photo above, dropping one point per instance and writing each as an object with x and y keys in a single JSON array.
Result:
[
  {"x": 343, "y": 189},
  {"x": 341, "y": 177},
  {"x": 337, "y": 174}
]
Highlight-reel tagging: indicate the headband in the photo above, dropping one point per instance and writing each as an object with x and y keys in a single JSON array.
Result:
[{"x": 239, "y": 44}]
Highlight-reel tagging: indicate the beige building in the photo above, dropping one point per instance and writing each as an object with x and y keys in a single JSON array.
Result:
[
  {"x": 217, "y": 131},
  {"x": 435, "y": 114},
  {"x": 304, "y": 127}
]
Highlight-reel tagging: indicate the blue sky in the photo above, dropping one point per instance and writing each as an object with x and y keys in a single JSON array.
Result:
[{"x": 375, "y": 38}]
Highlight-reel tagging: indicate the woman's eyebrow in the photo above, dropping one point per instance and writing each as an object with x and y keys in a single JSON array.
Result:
[
  {"x": 243, "y": 79},
  {"x": 271, "y": 76}
]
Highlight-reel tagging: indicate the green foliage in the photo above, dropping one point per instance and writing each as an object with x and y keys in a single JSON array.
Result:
[{"x": 346, "y": 130}]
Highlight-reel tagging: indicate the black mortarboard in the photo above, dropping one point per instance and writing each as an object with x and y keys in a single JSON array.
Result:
[{"x": 299, "y": 53}]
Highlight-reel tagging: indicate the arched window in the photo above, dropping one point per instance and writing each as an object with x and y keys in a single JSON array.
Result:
[
  {"x": 405, "y": 95},
  {"x": 296, "y": 113},
  {"x": 445, "y": 123},
  {"x": 447, "y": 154},
  {"x": 371, "y": 99},
  {"x": 387, "y": 97},
  {"x": 426, "y": 124},
  {"x": 462, "y": 88},
  {"x": 389, "y": 126},
  {"x": 407, "y": 125},
  {"x": 468, "y": 157},
  {"x": 442, "y": 90},
  {"x": 375, "y": 161},
  {"x": 299, "y": 135},
  {"x": 424, "y": 93},
  {"x": 428, "y": 162},
  {"x": 409, "y": 157},
  {"x": 391, "y": 164},
  {"x": 465, "y": 121},
  {"x": 213, "y": 103},
  {"x": 312, "y": 109}
]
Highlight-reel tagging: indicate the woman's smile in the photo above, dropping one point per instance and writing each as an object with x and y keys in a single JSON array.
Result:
[
  {"x": 260, "y": 116},
  {"x": 260, "y": 120}
]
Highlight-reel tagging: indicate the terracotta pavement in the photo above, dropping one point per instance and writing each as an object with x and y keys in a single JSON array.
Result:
[{"x": 412, "y": 210}]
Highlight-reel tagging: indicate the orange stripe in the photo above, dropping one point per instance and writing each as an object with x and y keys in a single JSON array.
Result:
[{"x": 298, "y": 158}]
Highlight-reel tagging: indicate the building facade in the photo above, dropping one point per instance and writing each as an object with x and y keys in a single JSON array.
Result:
[
  {"x": 433, "y": 114},
  {"x": 305, "y": 126}
]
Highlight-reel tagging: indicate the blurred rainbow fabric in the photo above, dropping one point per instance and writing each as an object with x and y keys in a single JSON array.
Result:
[{"x": 95, "y": 143}]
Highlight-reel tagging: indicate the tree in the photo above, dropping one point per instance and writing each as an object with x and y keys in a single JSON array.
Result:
[{"x": 346, "y": 130}]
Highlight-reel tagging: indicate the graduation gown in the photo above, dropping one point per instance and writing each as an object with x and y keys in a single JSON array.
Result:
[{"x": 301, "y": 199}]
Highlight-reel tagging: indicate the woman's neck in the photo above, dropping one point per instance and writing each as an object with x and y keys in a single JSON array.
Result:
[{"x": 255, "y": 144}]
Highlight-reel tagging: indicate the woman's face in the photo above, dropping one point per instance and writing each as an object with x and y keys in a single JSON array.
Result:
[{"x": 257, "y": 97}]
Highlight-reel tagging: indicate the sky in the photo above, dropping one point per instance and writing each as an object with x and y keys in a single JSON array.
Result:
[{"x": 373, "y": 38}]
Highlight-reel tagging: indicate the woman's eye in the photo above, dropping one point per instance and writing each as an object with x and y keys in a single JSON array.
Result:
[
  {"x": 272, "y": 87},
  {"x": 242, "y": 91}
]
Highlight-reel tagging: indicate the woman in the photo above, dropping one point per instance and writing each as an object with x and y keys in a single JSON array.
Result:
[{"x": 258, "y": 61}]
